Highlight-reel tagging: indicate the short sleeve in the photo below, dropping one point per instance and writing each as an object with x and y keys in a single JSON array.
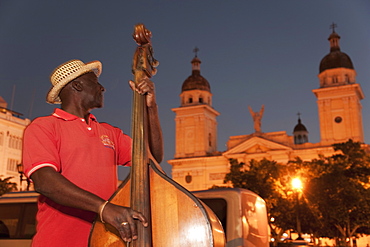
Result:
[
  {"x": 40, "y": 147},
  {"x": 124, "y": 151}
]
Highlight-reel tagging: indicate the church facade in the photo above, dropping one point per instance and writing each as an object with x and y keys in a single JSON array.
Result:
[{"x": 198, "y": 165}]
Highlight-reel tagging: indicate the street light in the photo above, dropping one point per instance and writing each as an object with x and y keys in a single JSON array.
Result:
[
  {"x": 21, "y": 179},
  {"x": 297, "y": 186}
]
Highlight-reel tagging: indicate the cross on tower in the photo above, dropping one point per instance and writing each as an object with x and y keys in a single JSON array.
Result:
[
  {"x": 333, "y": 26},
  {"x": 196, "y": 49}
]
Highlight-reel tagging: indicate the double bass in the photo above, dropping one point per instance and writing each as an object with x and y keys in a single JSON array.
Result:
[{"x": 176, "y": 217}]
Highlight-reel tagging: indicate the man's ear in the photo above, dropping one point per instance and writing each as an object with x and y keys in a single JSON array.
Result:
[{"x": 77, "y": 85}]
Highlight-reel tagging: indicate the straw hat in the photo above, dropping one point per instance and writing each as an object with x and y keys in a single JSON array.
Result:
[{"x": 68, "y": 72}]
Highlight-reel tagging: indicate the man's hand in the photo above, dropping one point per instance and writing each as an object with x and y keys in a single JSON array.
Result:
[
  {"x": 145, "y": 87},
  {"x": 124, "y": 219}
]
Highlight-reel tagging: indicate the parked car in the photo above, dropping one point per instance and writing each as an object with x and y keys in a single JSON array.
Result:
[{"x": 242, "y": 213}]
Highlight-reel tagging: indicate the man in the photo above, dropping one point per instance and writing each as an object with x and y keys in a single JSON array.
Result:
[{"x": 72, "y": 158}]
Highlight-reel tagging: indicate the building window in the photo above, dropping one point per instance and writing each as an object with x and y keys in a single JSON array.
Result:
[
  {"x": 12, "y": 165},
  {"x": 15, "y": 142},
  {"x": 190, "y": 100},
  {"x": 200, "y": 100},
  {"x": 1, "y": 138}
]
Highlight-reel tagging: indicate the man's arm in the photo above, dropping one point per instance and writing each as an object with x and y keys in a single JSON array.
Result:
[
  {"x": 155, "y": 134},
  {"x": 55, "y": 186},
  {"x": 147, "y": 87}
]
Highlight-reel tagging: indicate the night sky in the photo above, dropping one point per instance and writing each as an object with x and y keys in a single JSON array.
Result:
[{"x": 252, "y": 53}]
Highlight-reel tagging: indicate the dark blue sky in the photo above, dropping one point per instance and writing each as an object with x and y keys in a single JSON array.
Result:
[{"x": 252, "y": 53}]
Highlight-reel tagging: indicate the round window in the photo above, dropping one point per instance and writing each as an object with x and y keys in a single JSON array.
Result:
[{"x": 338, "y": 119}]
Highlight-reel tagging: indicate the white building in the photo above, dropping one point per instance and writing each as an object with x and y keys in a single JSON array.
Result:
[{"x": 12, "y": 126}]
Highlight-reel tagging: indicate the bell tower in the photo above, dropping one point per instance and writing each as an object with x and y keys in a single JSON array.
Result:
[
  {"x": 196, "y": 125},
  {"x": 338, "y": 98}
]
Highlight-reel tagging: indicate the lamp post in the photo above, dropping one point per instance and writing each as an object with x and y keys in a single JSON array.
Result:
[
  {"x": 297, "y": 186},
  {"x": 21, "y": 179}
]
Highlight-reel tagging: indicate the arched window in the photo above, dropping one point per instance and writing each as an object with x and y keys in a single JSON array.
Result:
[
  {"x": 298, "y": 139},
  {"x": 10, "y": 143},
  {"x": 19, "y": 144},
  {"x": 305, "y": 138},
  {"x": 335, "y": 79}
]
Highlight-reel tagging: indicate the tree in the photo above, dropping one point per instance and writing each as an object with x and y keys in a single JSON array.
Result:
[
  {"x": 6, "y": 185},
  {"x": 338, "y": 188},
  {"x": 258, "y": 176},
  {"x": 335, "y": 200}
]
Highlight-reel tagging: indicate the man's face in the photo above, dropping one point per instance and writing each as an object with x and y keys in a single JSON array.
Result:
[{"x": 92, "y": 91}]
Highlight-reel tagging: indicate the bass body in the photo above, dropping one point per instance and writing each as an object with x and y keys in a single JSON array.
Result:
[{"x": 178, "y": 218}]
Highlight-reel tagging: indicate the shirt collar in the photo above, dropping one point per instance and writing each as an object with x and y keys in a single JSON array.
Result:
[{"x": 59, "y": 113}]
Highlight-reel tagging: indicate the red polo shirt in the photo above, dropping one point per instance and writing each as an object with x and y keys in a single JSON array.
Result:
[{"x": 87, "y": 155}]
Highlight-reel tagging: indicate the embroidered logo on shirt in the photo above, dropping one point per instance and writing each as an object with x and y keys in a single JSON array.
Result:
[{"x": 107, "y": 142}]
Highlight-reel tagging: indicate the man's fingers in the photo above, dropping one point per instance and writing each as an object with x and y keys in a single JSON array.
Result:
[
  {"x": 144, "y": 86},
  {"x": 133, "y": 229},
  {"x": 126, "y": 232},
  {"x": 132, "y": 84},
  {"x": 128, "y": 227},
  {"x": 141, "y": 218}
]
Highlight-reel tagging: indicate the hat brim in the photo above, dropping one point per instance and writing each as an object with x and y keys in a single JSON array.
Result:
[{"x": 53, "y": 95}]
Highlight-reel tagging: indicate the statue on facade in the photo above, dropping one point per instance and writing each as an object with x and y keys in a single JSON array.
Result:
[{"x": 257, "y": 117}]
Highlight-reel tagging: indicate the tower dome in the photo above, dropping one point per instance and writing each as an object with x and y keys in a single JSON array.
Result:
[
  {"x": 336, "y": 68},
  {"x": 195, "y": 89},
  {"x": 336, "y": 58},
  {"x": 300, "y": 132},
  {"x": 195, "y": 81},
  {"x": 299, "y": 126}
]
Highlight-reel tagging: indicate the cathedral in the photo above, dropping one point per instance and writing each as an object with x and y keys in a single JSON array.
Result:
[{"x": 198, "y": 165}]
